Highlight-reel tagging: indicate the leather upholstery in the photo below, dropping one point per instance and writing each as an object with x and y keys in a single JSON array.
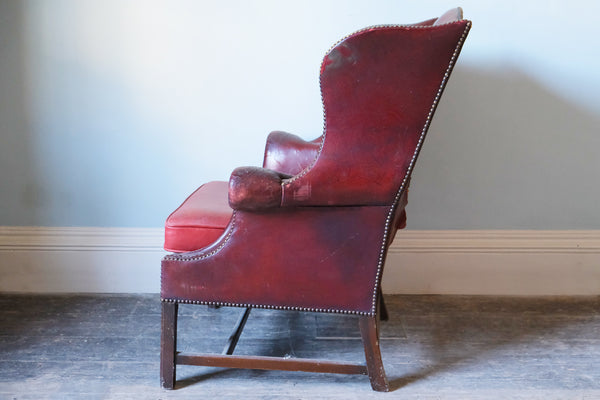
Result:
[
  {"x": 200, "y": 220},
  {"x": 253, "y": 188},
  {"x": 378, "y": 101},
  {"x": 289, "y": 154},
  {"x": 309, "y": 258},
  {"x": 312, "y": 226}
]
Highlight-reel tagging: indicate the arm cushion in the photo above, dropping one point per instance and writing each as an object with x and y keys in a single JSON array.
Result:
[
  {"x": 289, "y": 153},
  {"x": 254, "y": 188}
]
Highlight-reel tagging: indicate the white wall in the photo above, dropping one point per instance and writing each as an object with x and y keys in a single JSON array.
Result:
[{"x": 112, "y": 111}]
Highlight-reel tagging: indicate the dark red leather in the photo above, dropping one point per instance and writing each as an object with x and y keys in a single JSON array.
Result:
[
  {"x": 318, "y": 239},
  {"x": 200, "y": 220},
  {"x": 289, "y": 153},
  {"x": 379, "y": 89},
  {"x": 317, "y": 258},
  {"x": 253, "y": 188}
]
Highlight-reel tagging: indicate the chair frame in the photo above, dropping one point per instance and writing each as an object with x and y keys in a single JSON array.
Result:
[
  {"x": 260, "y": 196},
  {"x": 369, "y": 330}
]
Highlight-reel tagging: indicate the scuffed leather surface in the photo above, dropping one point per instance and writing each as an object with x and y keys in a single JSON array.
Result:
[
  {"x": 200, "y": 219},
  {"x": 254, "y": 188},
  {"x": 288, "y": 153},
  {"x": 320, "y": 248},
  {"x": 378, "y": 88},
  {"x": 310, "y": 257}
]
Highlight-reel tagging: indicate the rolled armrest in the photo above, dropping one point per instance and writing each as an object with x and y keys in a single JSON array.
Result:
[
  {"x": 254, "y": 188},
  {"x": 289, "y": 154}
]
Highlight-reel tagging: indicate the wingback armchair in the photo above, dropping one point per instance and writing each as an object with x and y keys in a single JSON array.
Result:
[{"x": 310, "y": 229}]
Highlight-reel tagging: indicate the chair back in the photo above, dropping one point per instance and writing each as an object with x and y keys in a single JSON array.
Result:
[{"x": 380, "y": 87}]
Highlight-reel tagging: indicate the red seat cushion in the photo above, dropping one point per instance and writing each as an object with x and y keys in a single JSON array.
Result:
[{"x": 200, "y": 220}]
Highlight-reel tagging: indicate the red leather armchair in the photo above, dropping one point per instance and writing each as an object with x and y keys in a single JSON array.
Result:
[{"x": 310, "y": 229}]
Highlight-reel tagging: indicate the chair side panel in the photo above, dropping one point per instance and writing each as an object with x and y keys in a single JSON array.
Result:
[{"x": 310, "y": 258}]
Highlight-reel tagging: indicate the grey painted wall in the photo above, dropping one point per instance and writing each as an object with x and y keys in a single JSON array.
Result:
[
  {"x": 506, "y": 153},
  {"x": 112, "y": 112}
]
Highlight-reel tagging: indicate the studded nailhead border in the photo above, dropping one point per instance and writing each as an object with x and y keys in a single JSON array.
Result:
[
  {"x": 388, "y": 220},
  {"x": 267, "y": 306},
  {"x": 386, "y": 232}
]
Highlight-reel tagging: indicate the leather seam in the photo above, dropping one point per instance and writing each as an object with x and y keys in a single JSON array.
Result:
[
  {"x": 182, "y": 257},
  {"x": 267, "y": 306},
  {"x": 186, "y": 227}
]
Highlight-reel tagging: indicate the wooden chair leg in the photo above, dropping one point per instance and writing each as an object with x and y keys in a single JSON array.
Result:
[
  {"x": 370, "y": 337},
  {"x": 237, "y": 332},
  {"x": 169, "y": 357},
  {"x": 383, "y": 312},
  {"x": 168, "y": 344}
]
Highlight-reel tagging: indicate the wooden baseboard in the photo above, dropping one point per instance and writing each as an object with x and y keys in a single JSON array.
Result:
[
  {"x": 494, "y": 262},
  {"x": 490, "y": 262},
  {"x": 80, "y": 260}
]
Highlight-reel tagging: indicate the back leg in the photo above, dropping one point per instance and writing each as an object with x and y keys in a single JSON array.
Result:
[
  {"x": 383, "y": 312},
  {"x": 370, "y": 337}
]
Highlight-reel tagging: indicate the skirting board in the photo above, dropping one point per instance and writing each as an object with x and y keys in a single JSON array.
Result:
[{"x": 494, "y": 262}]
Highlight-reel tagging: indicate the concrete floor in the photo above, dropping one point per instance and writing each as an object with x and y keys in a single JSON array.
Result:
[{"x": 434, "y": 347}]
